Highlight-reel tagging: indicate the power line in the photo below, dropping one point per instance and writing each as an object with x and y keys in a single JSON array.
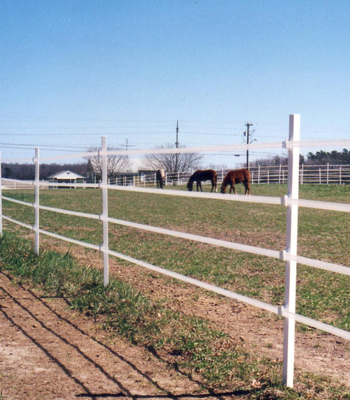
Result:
[{"x": 43, "y": 145}]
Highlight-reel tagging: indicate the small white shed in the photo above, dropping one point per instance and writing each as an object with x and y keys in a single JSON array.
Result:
[{"x": 65, "y": 177}]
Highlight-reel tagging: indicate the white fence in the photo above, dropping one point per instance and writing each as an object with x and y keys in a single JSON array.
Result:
[
  {"x": 311, "y": 174},
  {"x": 276, "y": 174},
  {"x": 289, "y": 254}
]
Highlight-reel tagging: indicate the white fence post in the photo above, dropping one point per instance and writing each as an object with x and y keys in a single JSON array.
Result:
[
  {"x": 105, "y": 211},
  {"x": 340, "y": 175},
  {"x": 279, "y": 173},
  {"x": 36, "y": 202},
  {"x": 302, "y": 174},
  {"x": 291, "y": 248}
]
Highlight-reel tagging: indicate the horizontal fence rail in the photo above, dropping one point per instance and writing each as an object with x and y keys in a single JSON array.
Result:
[{"x": 291, "y": 174}]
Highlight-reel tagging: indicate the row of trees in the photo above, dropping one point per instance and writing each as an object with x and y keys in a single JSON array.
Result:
[
  {"x": 333, "y": 157},
  {"x": 172, "y": 163},
  {"x": 321, "y": 157},
  {"x": 27, "y": 171}
]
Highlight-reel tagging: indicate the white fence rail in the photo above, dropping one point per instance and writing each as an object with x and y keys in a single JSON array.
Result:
[
  {"x": 289, "y": 254},
  {"x": 276, "y": 174}
]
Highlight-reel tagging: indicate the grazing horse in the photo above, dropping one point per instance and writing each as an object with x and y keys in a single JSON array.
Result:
[
  {"x": 160, "y": 175},
  {"x": 236, "y": 176},
  {"x": 202, "y": 175}
]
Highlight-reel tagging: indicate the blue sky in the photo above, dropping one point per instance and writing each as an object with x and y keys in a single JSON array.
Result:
[{"x": 73, "y": 70}]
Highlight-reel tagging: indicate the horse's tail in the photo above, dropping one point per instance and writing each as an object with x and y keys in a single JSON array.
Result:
[
  {"x": 215, "y": 178},
  {"x": 247, "y": 182}
]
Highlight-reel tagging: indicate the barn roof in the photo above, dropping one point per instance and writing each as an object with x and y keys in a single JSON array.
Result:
[{"x": 65, "y": 175}]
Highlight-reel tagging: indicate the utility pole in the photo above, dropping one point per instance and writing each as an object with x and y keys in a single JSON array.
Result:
[
  {"x": 177, "y": 135},
  {"x": 248, "y": 125},
  {"x": 177, "y": 146}
]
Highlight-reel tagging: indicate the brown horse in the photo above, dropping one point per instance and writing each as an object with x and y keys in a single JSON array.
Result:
[
  {"x": 160, "y": 176},
  {"x": 202, "y": 175},
  {"x": 236, "y": 176}
]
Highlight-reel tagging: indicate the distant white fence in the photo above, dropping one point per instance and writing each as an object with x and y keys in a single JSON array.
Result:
[
  {"x": 17, "y": 184},
  {"x": 276, "y": 174},
  {"x": 308, "y": 174},
  {"x": 289, "y": 254}
]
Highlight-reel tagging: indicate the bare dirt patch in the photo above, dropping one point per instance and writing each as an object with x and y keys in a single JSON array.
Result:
[{"x": 51, "y": 352}]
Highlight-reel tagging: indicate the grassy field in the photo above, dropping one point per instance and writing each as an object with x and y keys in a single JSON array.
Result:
[
  {"x": 322, "y": 235},
  {"x": 321, "y": 295}
]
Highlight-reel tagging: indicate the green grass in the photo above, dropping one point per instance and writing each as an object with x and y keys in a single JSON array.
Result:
[{"x": 322, "y": 235}]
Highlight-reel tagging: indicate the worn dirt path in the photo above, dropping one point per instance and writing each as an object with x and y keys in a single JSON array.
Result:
[{"x": 50, "y": 352}]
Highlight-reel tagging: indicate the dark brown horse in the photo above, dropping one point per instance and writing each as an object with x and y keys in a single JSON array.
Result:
[
  {"x": 160, "y": 176},
  {"x": 236, "y": 176},
  {"x": 202, "y": 175}
]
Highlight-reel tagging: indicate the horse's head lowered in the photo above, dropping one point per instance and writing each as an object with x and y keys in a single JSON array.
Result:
[{"x": 190, "y": 185}]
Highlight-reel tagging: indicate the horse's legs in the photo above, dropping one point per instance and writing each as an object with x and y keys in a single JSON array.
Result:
[{"x": 200, "y": 186}]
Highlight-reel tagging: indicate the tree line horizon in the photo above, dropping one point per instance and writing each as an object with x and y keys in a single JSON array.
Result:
[{"x": 172, "y": 163}]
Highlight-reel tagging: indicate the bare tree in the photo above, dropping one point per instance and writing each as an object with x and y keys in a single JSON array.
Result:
[
  {"x": 217, "y": 167},
  {"x": 172, "y": 163},
  {"x": 115, "y": 163}
]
